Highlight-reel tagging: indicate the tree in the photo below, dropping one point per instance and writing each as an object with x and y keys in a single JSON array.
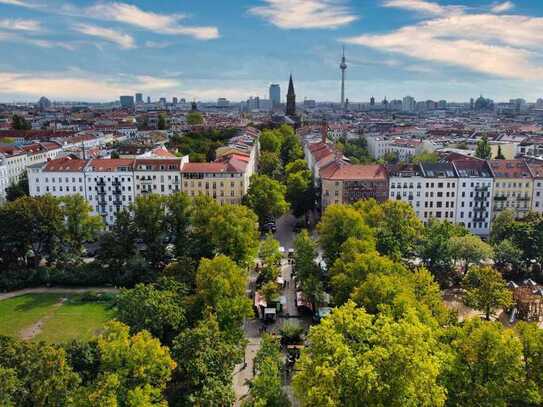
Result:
[
  {"x": 508, "y": 255},
  {"x": 266, "y": 197},
  {"x": 158, "y": 310},
  {"x": 138, "y": 365},
  {"x": 20, "y": 123},
  {"x": 117, "y": 247},
  {"x": 269, "y": 164},
  {"x": 398, "y": 230},
  {"x": 353, "y": 358},
  {"x": 270, "y": 291},
  {"x": 338, "y": 224},
  {"x": 178, "y": 221},
  {"x": 18, "y": 189},
  {"x": 270, "y": 141},
  {"x": 31, "y": 227},
  {"x": 486, "y": 367},
  {"x": 499, "y": 155},
  {"x": 425, "y": 157},
  {"x": 150, "y": 221},
  {"x": 81, "y": 225},
  {"x": 300, "y": 193},
  {"x": 308, "y": 273},
  {"x": 486, "y": 290},
  {"x": 37, "y": 374},
  {"x": 194, "y": 118},
  {"x": 390, "y": 157},
  {"x": 220, "y": 285},
  {"x": 205, "y": 362},
  {"x": 435, "y": 250},
  {"x": 291, "y": 149},
  {"x": 531, "y": 337},
  {"x": 162, "y": 124},
  {"x": 483, "y": 150},
  {"x": 470, "y": 249},
  {"x": 266, "y": 388},
  {"x": 233, "y": 232}
]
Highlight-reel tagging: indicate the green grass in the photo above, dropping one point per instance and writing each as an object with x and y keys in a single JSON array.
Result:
[{"x": 74, "y": 319}]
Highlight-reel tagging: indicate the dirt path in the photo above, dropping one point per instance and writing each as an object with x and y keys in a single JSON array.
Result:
[
  {"x": 55, "y": 290},
  {"x": 31, "y": 331}
]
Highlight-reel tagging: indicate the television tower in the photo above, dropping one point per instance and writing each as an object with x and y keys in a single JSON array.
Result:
[{"x": 343, "y": 67}]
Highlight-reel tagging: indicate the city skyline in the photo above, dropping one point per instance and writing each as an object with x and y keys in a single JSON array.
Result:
[{"x": 96, "y": 51}]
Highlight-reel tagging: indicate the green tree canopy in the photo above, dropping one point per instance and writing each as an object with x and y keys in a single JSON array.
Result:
[
  {"x": 486, "y": 367},
  {"x": 338, "y": 224},
  {"x": 470, "y": 249},
  {"x": 195, "y": 118},
  {"x": 353, "y": 358},
  {"x": 269, "y": 164},
  {"x": 81, "y": 225},
  {"x": 483, "y": 150},
  {"x": 266, "y": 197},
  {"x": 486, "y": 290}
]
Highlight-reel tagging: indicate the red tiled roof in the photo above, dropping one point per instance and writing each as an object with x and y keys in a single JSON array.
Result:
[
  {"x": 537, "y": 170},
  {"x": 204, "y": 167},
  {"x": 510, "y": 168},
  {"x": 65, "y": 164},
  {"x": 110, "y": 165},
  {"x": 347, "y": 172},
  {"x": 158, "y": 164}
]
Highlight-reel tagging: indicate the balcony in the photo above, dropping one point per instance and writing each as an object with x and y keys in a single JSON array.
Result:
[
  {"x": 500, "y": 198},
  {"x": 479, "y": 219},
  {"x": 479, "y": 209},
  {"x": 117, "y": 203},
  {"x": 523, "y": 198},
  {"x": 479, "y": 198},
  {"x": 101, "y": 183},
  {"x": 481, "y": 189}
]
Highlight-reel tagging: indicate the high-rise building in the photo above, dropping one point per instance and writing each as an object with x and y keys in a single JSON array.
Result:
[
  {"x": 139, "y": 98},
  {"x": 175, "y": 100},
  {"x": 127, "y": 101},
  {"x": 291, "y": 99},
  {"x": 275, "y": 94},
  {"x": 343, "y": 67},
  {"x": 162, "y": 101},
  {"x": 148, "y": 99},
  {"x": 408, "y": 104},
  {"x": 372, "y": 101}
]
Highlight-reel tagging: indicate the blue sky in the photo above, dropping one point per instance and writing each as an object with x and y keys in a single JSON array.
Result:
[{"x": 205, "y": 49}]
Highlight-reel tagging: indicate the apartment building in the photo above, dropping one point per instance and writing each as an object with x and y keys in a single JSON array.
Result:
[
  {"x": 537, "y": 198},
  {"x": 343, "y": 183},
  {"x": 403, "y": 148},
  {"x": 475, "y": 194},
  {"x": 224, "y": 181},
  {"x": 109, "y": 185},
  {"x": 15, "y": 159},
  {"x": 407, "y": 183},
  {"x": 440, "y": 191},
  {"x": 513, "y": 187}
]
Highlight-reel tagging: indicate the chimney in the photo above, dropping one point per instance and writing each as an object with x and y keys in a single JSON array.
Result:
[{"x": 324, "y": 131}]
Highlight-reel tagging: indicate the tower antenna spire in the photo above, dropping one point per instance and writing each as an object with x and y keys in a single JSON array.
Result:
[{"x": 343, "y": 67}]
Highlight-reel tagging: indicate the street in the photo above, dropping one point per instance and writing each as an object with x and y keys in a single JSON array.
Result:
[{"x": 285, "y": 235}]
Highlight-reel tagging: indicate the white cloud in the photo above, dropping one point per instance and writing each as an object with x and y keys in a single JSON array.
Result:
[
  {"x": 123, "y": 40},
  {"x": 297, "y": 14},
  {"x": 502, "y": 7},
  {"x": 78, "y": 85},
  {"x": 20, "y": 25},
  {"x": 19, "y": 3},
  {"x": 506, "y": 46},
  {"x": 423, "y": 6},
  {"x": 159, "y": 23}
]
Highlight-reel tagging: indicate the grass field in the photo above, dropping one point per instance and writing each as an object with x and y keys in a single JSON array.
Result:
[{"x": 52, "y": 318}]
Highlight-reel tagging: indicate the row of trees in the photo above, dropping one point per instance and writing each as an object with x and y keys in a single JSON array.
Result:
[
  {"x": 284, "y": 179},
  {"x": 391, "y": 341},
  {"x": 50, "y": 232}
]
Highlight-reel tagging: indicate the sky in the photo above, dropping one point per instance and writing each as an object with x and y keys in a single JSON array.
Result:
[{"x": 205, "y": 49}]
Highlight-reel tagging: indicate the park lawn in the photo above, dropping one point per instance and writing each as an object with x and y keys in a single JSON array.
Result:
[
  {"x": 20, "y": 312},
  {"x": 73, "y": 319}
]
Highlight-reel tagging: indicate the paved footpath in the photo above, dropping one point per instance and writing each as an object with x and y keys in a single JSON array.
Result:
[{"x": 56, "y": 290}]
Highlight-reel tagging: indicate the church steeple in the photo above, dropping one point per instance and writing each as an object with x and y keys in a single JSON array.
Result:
[{"x": 291, "y": 99}]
